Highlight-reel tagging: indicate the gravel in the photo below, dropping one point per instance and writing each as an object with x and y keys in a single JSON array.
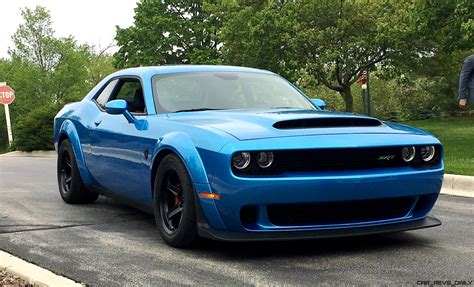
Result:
[{"x": 8, "y": 279}]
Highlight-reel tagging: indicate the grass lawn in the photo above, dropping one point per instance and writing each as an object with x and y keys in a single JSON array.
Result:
[{"x": 457, "y": 137}]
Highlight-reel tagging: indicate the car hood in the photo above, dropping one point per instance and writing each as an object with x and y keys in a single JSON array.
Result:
[{"x": 260, "y": 124}]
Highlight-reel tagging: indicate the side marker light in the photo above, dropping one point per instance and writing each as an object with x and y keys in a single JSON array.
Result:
[{"x": 209, "y": 195}]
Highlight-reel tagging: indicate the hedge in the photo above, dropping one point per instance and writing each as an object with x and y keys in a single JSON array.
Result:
[{"x": 35, "y": 131}]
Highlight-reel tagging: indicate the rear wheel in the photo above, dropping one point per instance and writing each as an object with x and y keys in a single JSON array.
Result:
[
  {"x": 70, "y": 184},
  {"x": 174, "y": 203}
]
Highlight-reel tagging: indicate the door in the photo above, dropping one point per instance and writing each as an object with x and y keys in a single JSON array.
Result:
[{"x": 120, "y": 150}]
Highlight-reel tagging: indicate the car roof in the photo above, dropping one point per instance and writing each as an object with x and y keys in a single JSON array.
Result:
[{"x": 171, "y": 69}]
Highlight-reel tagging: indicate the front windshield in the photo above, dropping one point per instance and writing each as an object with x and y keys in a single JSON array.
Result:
[{"x": 225, "y": 90}]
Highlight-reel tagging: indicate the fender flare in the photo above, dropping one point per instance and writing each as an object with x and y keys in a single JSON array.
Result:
[
  {"x": 181, "y": 144},
  {"x": 69, "y": 130}
]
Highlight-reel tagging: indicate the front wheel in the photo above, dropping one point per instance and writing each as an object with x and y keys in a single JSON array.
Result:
[
  {"x": 70, "y": 184},
  {"x": 174, "y": 203}
]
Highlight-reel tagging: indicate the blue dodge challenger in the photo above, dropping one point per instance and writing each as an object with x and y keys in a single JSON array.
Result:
[{"x": 240, "y": 154}]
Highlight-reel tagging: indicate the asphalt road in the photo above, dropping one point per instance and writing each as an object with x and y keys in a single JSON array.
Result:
[{"x": 110, "y": 244}]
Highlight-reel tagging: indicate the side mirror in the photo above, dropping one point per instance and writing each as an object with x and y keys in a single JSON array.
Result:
[
  {"x": 117, "y": 107},
  {"x": 319, "y": 103}
]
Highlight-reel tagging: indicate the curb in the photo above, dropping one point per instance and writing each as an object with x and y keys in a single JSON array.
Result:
[
  {"x": 458, "y": 185},
  {"x": 36, "y": 153},
  {"x": 32, "y": 273}
]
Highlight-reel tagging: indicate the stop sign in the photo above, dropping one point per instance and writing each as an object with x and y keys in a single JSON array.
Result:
[{"x": 7, "y": 95}]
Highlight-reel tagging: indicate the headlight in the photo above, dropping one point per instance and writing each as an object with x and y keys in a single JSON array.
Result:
[
  {"x": 265, "y": 159},
  {"x": 427, "y": 153},
  {"x": 408, "y": 153},
  {"x": 241, "y": 160}
]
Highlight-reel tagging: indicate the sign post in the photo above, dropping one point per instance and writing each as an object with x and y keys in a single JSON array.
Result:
[
  {"x": 367, "y": 91},
  {"x": 364, "y": 85},
  {"x": 7, "y": 96}
]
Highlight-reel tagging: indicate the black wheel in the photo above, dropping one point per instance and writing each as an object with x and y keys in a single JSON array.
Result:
[
  {"x": 174, "y": 203},
  {"x": 70, "y": 184}
]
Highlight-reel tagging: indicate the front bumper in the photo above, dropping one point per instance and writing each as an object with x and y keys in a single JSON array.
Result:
[
  {"x": 237, "y": 193},
  {"x": 341, "y": 188},
  {"x": 222, "y": 235}
]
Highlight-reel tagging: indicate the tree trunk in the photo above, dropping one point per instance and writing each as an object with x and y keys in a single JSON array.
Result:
[{"x": 348, "y": 99}]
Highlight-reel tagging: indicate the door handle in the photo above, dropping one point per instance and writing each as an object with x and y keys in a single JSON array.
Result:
[{"x": 97, "y": 123}]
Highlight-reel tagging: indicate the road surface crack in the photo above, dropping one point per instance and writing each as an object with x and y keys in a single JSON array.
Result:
[{"x": 41, "y": 227}]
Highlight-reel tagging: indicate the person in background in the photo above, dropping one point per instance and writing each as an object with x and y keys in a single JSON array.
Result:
[{"x": 466, "y": 82}]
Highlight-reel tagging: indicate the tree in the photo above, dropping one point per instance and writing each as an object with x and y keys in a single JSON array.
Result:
[
  {"x": 336, "y": 40},
  {"x": 256, "y": 35},
  {"x": 446, "y": 40},
  {"x": 34, "y": 40},
  {"x": 100, "y": 65},
  {"x": 169, "y": 32},
  {"x": 47, "y": 72},
  {"x": 333, "y": 41}
]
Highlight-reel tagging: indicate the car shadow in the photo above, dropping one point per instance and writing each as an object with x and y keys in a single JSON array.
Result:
[
  {"x": 313, "y": 247},
  {"x": 291, "y": 248}
]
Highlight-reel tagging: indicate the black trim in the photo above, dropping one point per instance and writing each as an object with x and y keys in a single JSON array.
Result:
[
  {"x": 115, "y": 90},
  {"x": 337, "y": 159},
  {"x": 201, "y": 221},
  {"x": 205, "y": 231},
  {"x": 123, "y": 200},
  {"x": 340, "y": 212},
  {"x": 332, "y": 122},
  {"x": 97, "y": 94}
]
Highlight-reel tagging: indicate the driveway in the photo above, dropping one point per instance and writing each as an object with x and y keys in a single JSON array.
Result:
[{"x": 110, "y": 244}]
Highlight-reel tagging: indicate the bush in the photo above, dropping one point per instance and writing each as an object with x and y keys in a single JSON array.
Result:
[
  {"x": 35, "y": 130},
  {"x": 415, "y": 99}
]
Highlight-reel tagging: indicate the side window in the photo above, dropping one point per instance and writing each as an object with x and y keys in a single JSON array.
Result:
[
  {"x": 104, "y": 96},
  {"x": 131, "y": 91}
]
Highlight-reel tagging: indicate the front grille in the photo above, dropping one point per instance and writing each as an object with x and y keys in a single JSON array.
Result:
[
  {"x": 337, "y": 159},
  {"x": 340, "y": 212}
]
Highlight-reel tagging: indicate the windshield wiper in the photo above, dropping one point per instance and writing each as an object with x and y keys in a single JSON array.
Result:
[{"x": 197, "y": 110}]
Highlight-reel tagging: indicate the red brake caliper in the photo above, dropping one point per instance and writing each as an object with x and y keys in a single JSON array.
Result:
[{"x": 177, "y": 200}]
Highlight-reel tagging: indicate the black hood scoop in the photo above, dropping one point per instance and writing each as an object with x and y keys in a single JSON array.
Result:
[{"x": 326, "y": 123}]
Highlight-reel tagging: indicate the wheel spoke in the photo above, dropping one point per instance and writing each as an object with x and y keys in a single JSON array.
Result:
[
  {"x": 68, "y": 179},
  {"x": 172, "y": 201},
  {"x": 175, "y": 211},
  {"x": 174, "y": 189}
]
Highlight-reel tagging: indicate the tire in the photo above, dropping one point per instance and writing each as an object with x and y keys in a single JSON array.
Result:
[
  {"x": 70, "y": 184},
  {"x": 173, "y": 191}
]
